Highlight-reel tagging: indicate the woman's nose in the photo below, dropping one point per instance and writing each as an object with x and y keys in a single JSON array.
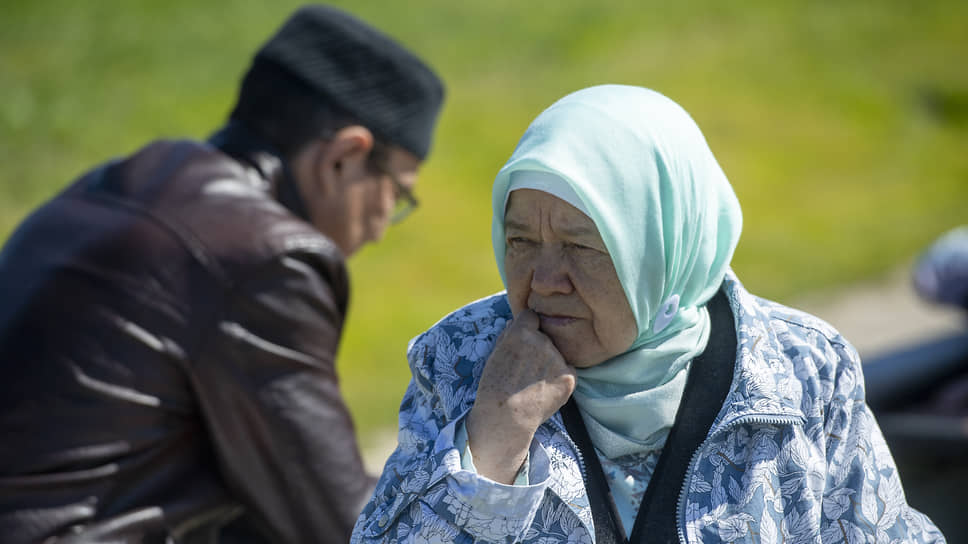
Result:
[{"x": 549, "y": 274}]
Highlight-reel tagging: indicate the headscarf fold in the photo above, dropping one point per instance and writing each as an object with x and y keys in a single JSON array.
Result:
[{"x": 670, "y": 220}]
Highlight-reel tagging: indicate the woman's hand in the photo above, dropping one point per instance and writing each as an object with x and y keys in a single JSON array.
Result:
[{"x": 525, "y": 381}]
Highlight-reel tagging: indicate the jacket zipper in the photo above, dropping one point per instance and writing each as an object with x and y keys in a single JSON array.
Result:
[
  {"x": 581, "y": 459},
  {"x": 754, "y": 418}
]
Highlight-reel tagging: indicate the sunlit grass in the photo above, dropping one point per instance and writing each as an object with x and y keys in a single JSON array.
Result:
[{"x": 841, "y": 125}]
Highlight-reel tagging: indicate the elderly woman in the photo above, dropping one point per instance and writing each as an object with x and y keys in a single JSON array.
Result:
[{"x": 626, "y": 387}]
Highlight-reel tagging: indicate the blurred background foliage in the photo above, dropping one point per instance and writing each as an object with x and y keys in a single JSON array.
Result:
[{"x": 842, "y": 126}]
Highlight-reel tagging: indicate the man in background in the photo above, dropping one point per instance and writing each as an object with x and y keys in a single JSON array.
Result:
[{"x": 169, "y": 322}]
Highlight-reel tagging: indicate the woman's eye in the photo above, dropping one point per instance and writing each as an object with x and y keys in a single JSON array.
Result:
[{"x": 517, "y": 241}]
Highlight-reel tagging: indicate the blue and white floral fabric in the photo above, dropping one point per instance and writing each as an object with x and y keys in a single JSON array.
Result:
[
  {"x": 793, "y": 456},
  {"x": 628, "y": 477}
]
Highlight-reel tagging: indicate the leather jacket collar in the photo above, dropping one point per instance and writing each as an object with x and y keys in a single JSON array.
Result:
[{"x": 245, "y": 144}]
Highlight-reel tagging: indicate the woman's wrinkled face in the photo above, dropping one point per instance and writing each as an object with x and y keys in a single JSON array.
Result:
[{"x": 557, "y": 265}]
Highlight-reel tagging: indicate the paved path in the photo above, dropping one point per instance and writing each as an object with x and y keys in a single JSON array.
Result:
[{"x": 877, "y": 317}]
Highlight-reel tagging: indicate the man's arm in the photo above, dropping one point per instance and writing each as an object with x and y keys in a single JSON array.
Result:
[{"x": 266, "y": 383}]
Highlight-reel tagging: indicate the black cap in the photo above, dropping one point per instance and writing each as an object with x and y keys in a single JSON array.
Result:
[{"x": 362, "y": 71}]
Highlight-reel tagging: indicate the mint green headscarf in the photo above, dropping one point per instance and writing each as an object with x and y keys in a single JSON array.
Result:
[{"x": 670, "y": 220}]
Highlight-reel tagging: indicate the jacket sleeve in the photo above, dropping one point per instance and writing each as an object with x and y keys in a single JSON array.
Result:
[
  {"x": 424, "y": 495},
  {"x": 266, "y": 382},
  {"x": 863, "y": 499}
]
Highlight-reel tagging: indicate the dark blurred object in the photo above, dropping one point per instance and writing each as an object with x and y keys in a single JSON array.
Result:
[
  {"x": 941, "y": 273},
  {"x": 920, "y": 397},
  {"x": 944, "y": 105}
]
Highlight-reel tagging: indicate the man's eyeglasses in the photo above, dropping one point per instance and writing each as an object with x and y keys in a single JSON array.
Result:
[{"x": 404, "y": 200}]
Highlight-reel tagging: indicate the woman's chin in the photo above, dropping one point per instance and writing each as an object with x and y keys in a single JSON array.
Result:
[{"x": 577, "y": 357}]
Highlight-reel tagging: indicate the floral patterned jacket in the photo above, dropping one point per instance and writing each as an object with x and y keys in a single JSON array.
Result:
[{"x": 794, "y": 455}]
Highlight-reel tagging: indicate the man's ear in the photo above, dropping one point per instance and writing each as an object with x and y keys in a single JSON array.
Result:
[{"x": 344, "y": 157}]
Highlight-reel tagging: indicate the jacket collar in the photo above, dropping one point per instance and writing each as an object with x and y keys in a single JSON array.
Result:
[
  {"x": 765, "y": 385},
  {"x": 239, "y": 141}
]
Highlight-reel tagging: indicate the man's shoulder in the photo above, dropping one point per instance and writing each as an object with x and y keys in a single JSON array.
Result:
[{"x": 224, "y": 207}]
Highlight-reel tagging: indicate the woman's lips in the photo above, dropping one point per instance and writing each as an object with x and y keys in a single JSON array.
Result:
[{"x": 556, "y": 320}]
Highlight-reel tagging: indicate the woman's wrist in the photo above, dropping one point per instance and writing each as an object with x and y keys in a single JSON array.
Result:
[{"x": 497, "y": 450}]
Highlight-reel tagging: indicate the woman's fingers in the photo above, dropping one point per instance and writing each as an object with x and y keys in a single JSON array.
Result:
[{"x": 527, "y": 319}]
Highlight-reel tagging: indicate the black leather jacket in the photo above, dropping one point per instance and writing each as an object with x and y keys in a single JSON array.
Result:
[{"x": 167, "y": 341}]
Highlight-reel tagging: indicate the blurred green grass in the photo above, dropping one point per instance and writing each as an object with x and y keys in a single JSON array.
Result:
[{"x": 841, "y": 125}]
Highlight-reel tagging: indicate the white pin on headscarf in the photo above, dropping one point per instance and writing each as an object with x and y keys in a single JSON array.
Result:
[{"x": 667, "y": 312}]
